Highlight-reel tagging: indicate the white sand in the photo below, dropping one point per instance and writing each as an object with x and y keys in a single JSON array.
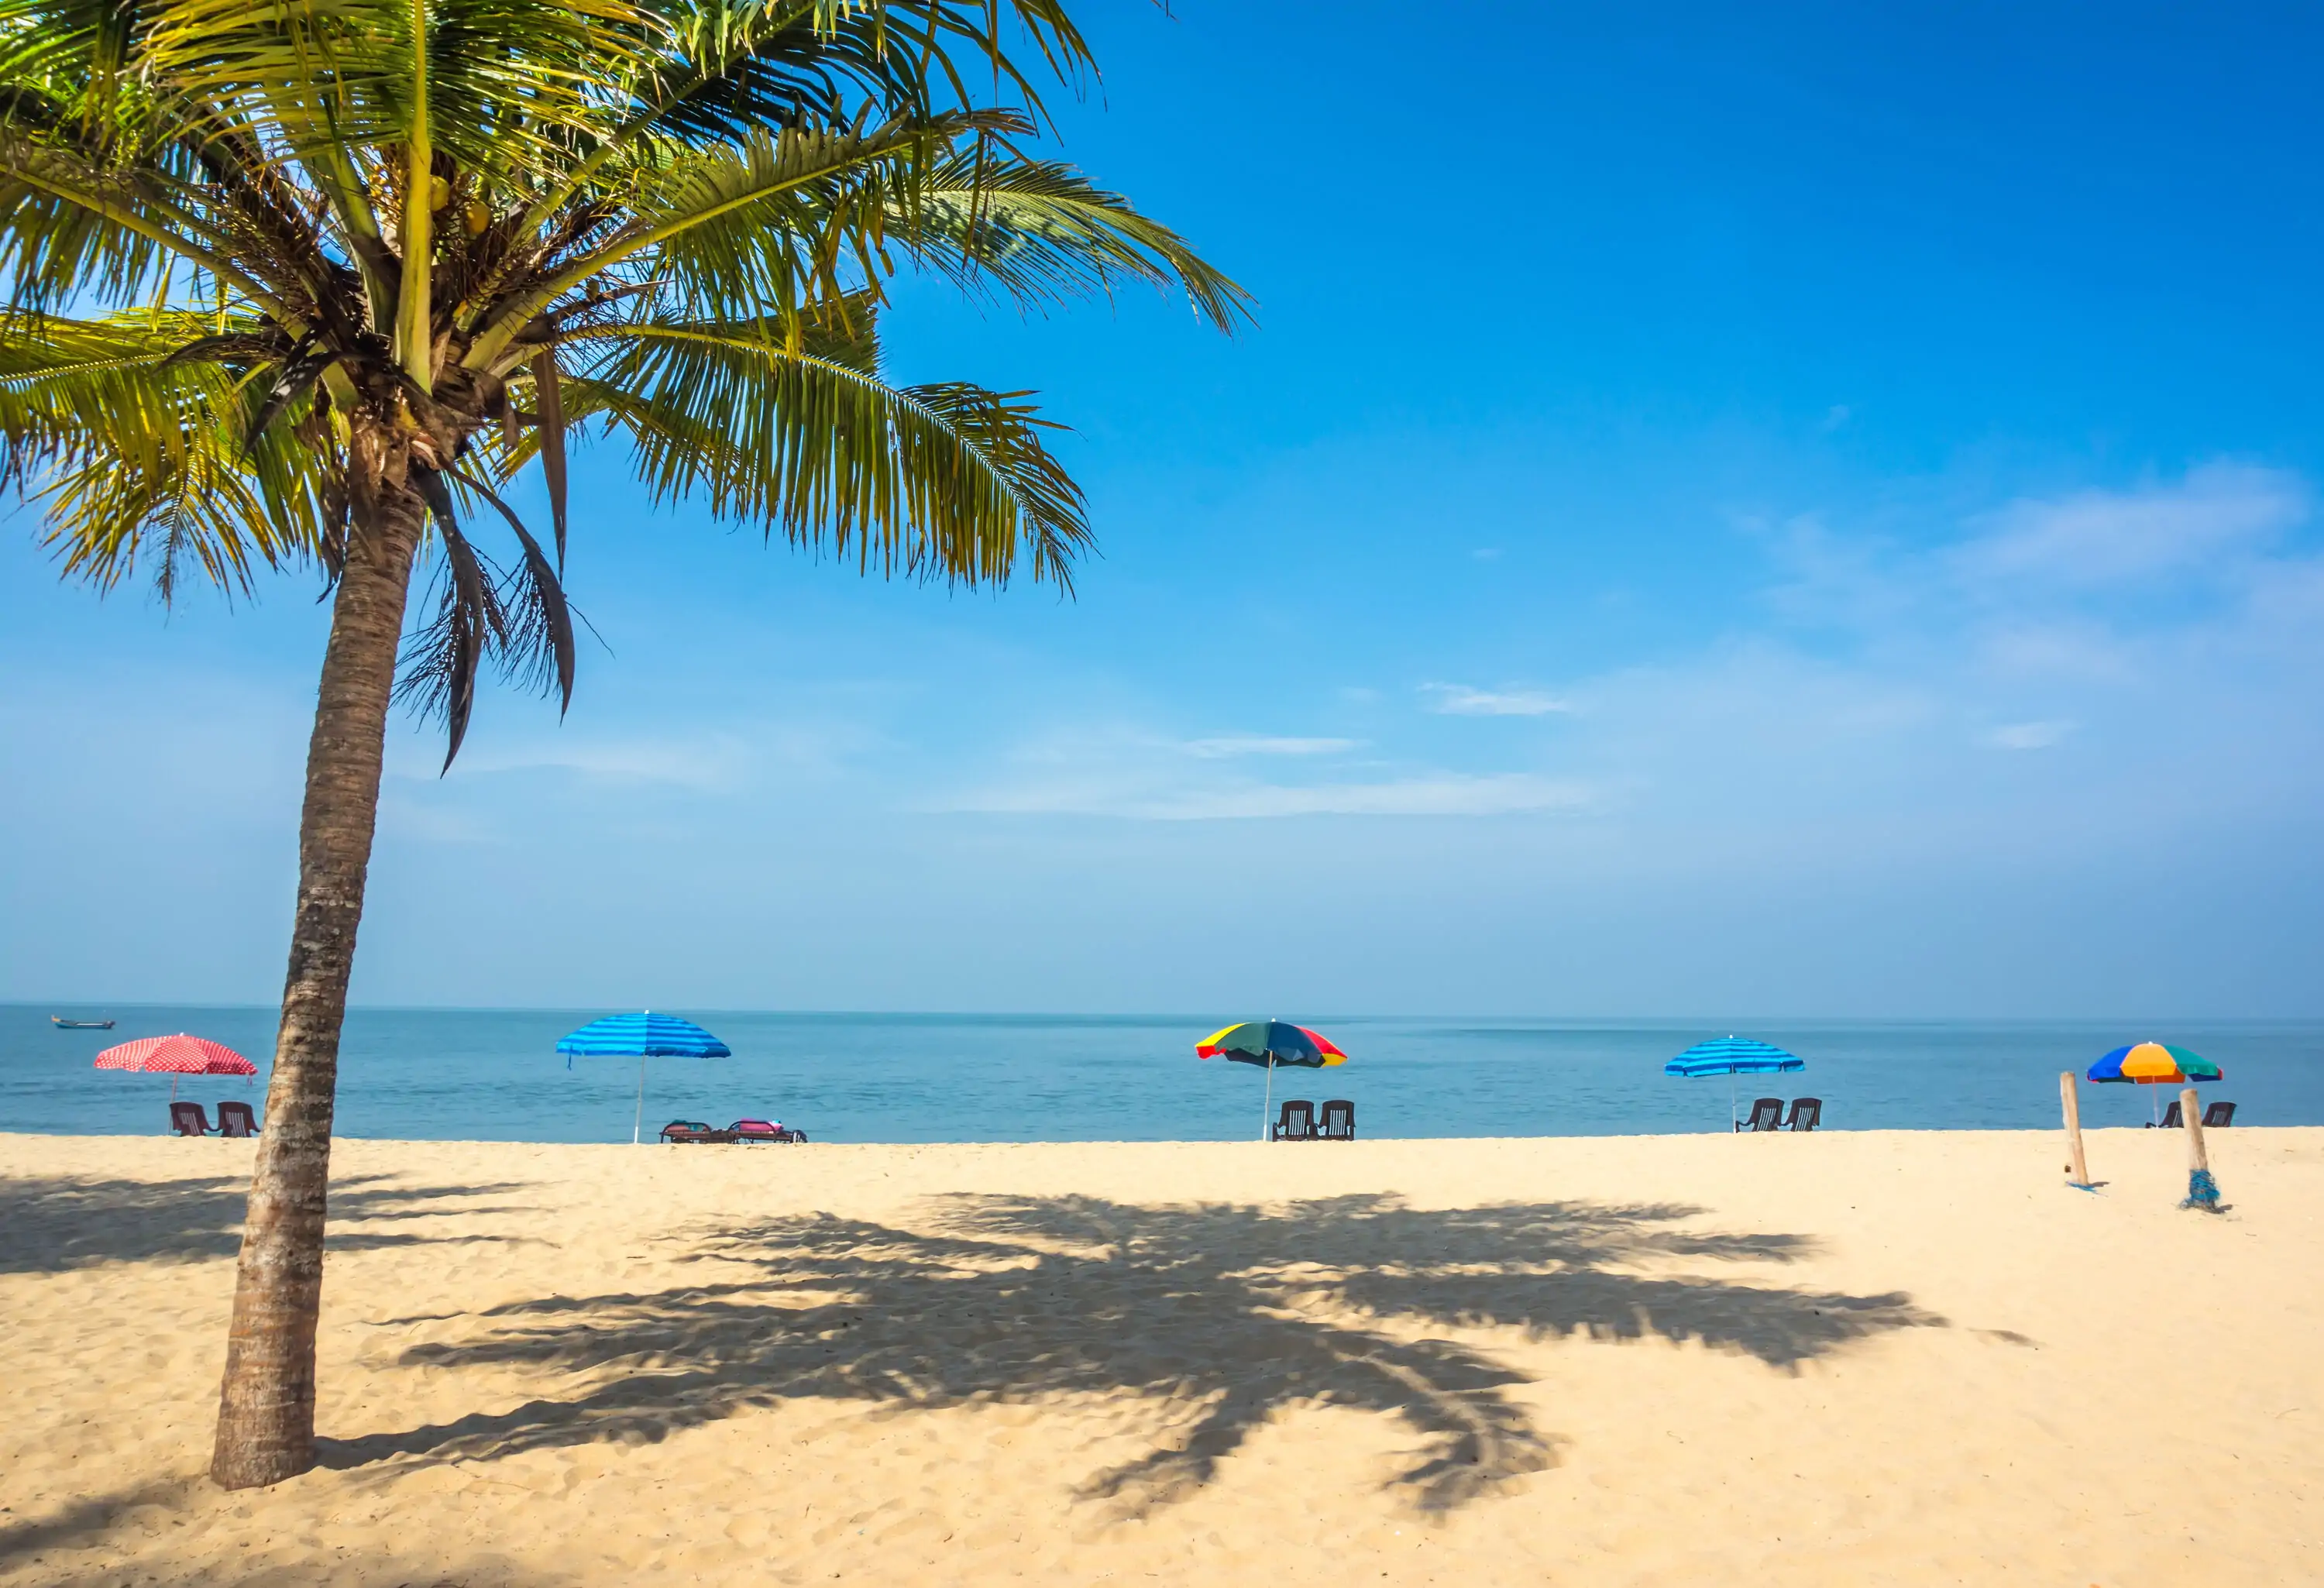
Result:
[{"x": 1846, "y": 1358}]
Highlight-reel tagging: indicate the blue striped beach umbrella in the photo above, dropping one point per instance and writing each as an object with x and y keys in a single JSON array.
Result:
[
  {"x": 642, "y": 1036},
  {"x": 1732, "y": 1057}
]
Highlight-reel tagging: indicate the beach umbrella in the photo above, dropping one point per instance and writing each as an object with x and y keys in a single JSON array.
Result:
[
  {"x": 1732, "y": 1057},
  {"x": 176, "y": 1055},
  {"x": 1269, "y": 1043},
  {"x": 2154, "y": 1063},
  {"x": 641, "y": 1035}
]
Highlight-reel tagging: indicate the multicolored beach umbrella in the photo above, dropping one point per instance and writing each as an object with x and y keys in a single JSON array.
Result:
[
  {"x": 181, "y": 1055},
  {"x": 1730, "y": 1057},
  {"x": 2154, "y": 1063},
  {"x": 1270, "y": 1043},
  {"x": 641, "y": 1035}
]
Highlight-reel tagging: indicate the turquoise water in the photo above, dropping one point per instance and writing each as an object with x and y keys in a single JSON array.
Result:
[{"x": 494, "y": 1076}]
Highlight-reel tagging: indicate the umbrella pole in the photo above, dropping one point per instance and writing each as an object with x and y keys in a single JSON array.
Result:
[
  {"x": 1730, "y": 1100},
  {"x": 637, "y": 1122},
  {"x": 1267, "y": 1098}
]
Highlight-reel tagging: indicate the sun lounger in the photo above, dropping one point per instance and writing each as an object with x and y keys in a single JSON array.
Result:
[
  {"x": 1807, "y": 1113},
  {"x": 187, "y": 1118},
  {"x": 2218, "y": 1116},
  {"x": 234, "y": 1118},
  {"x": 1766, "y": 1114},
  {"x": 1338, "y": 1121},
  {"x": 688, "y": 1131},
  {"x": 760, "y": 1130},
  {"x": 2172, "y": 1120},
  {"x": 1297, "y": 1122}
]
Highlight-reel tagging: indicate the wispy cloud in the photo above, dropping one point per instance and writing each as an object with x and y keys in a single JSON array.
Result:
[
  {"x": 2176, "y": 621},
  {"x": 1123, "y": 770},
  {"x": 712, "y": 762},
  {"x": 2218, "y": 514},
  {"x": 2028, "y": 735},
  {"x": 1433, "y": 794},
  {"x": 2068, "y": 649},
  {"x": 1439, "y": 794},
  {"x": 1461, "y": 700},
  {"x": 2038, "y": 577},
  {"x": 1231, "y": 744},
  {"x": 721, "y": 762}
]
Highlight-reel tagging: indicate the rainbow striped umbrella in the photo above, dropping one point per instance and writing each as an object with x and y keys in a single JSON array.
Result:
[
  {"x": 2154, "y": 1064},
  {"x": 1269, "y": 1043},
  {"x": 176, "y": 1055}
]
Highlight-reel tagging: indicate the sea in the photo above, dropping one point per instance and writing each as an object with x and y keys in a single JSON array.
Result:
[{"x": 495, "y": 1075}]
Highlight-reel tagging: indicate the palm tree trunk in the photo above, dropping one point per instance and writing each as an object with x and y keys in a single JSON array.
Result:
[{"x": 266, "y": 1404}]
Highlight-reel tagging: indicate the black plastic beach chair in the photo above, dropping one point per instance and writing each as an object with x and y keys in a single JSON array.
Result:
[
  {"x": 187, "y": 1118},
  {"x": 2218, "y": 1116},
  {"x": 1338, "y": 1121},
  {"x": 688, "y": 1131},
  {"x": 1807, "y": 1113},
  {"x": 1297, "y": 1122},
  {"x": 1766, "y": 1114},
  {"x": 2172, "y": 1120},
  {"x": 234, "y": 1118}
]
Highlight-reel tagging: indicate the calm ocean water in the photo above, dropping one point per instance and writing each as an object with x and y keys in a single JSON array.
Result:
[{"x": 492, "y": 1075}]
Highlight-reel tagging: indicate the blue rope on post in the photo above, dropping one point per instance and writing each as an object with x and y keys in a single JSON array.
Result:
[{"x": 2202, "y": 1191}]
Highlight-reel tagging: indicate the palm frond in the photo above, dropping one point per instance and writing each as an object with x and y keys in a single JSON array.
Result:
[
  {"x": 72, "y": 227},
  {"x": 736, "y": 66},
  {"x": 438, "y": 672},
  {"x": 961, "y": 41},
  {"x": 549, "y": 399},
  {"x": 763, "y": 223},
  {"x": 947, "y": 481},
  {"x": 140, "y": 458},
  {"x": 515, "y": 618},
  {"x": 1040, "y": 231},
  {"x": 505, "y": 84},
  {"x": 539, "y": 636}
]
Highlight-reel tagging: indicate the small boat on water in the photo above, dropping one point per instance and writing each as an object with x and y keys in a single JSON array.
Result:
[{"x": 63, "y": 1024}]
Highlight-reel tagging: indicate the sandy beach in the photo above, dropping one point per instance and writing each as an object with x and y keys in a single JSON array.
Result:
[{"x": 1850, "y": 1357}]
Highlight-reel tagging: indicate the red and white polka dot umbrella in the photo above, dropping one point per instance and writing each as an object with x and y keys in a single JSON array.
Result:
[{"x": 176, "y": 1055}]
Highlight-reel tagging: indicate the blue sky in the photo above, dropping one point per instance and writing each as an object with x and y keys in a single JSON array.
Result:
[{"x": 1803, "y": 510}]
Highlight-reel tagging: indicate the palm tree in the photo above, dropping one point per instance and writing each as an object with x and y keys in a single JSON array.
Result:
[{"x": 310, "y": 280}]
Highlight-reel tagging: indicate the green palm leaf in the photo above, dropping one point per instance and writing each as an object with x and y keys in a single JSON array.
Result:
[
  {"x": 945, "y": 481},
  {"x": 146, "y": 461},
  {"x": 1040, "y": 231}
]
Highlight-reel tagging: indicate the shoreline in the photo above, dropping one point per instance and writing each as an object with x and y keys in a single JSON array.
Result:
[
  {"x": 823, "y": 1143},
  {"x": 1911, "y": 1357}
]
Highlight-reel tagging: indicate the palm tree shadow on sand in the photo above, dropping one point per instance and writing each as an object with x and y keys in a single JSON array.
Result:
[
  {"x": 1214, "y": 1318},
  {"x": 55, "y": 1224}
]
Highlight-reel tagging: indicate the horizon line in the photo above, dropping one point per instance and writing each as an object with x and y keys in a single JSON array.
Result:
[{"x": 1197, "y": 1018}]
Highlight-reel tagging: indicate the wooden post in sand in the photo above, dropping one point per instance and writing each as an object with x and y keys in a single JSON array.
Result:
[
  {"x": 2077, "y": 1172},
  {"x": 2202, "y": 1191},
  {"x": 2190, "y": 1113}
]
